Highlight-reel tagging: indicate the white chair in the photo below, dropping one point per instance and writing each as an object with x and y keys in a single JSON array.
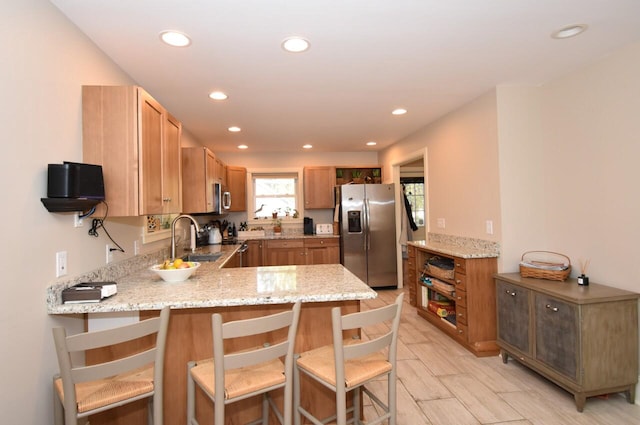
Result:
[
  {"x": 80, "y": 390},
  {"x": 349, "y": 365},
  {"x": 231, "y": 377}
]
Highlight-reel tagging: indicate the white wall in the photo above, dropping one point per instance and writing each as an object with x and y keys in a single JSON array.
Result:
[
  {"x": 569, "y": 170},
  {"x": 45, "y": 61},
  {"x": 462, "y": 169}
]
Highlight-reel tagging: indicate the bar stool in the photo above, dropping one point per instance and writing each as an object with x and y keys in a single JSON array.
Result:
[
  {"x": 349, "y": 365},
  {"x": 235, "y": 376},
  {"x": 80, "y": 391}
]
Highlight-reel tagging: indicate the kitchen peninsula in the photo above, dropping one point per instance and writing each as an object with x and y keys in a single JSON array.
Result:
[{"x": 234, "y": 292}]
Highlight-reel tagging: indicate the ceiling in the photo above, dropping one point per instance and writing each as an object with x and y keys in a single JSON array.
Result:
[{"x": 367, "y": 57}]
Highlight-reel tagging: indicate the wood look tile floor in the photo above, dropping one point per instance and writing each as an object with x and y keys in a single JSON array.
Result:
[{"x": 441, "y": 383}]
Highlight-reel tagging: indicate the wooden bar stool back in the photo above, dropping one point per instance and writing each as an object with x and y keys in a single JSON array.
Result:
[
  {"x": 80, "y": 390},
  {"x": 234, "y": 376},
  {"x": 348, "y": 365}
]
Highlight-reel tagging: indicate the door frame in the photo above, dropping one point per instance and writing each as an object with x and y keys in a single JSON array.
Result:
[{"x": 395, "y": 174}]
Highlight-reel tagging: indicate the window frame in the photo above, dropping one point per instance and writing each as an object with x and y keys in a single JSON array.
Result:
[
  {"x": 416, "y": 180},
  {"x": 253, "y": 173}
]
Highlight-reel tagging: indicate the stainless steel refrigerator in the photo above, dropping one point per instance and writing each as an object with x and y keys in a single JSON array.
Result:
[{"x": 368, "y": 232}]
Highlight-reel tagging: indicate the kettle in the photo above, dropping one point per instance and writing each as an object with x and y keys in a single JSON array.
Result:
[{"x": 215, "y": 237}]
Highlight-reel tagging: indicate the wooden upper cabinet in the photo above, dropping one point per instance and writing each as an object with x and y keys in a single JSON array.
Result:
[
  {"x": 319, "y": 184},
  {"x": 137, "y": 142},
  {"x": 237, "y": 186},
  {"x": 198, "y": 176}
]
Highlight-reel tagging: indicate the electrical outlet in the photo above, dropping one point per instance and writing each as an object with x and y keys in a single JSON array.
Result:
[
  {"x": 489, "y": 227},
  {"x": 441, "y": 223},
  {"x": 109, "y": 254},
  {"x": 77, "y": 220},
  {"x": 136, "y": 247},
  {"x": 61, "y": 263}
]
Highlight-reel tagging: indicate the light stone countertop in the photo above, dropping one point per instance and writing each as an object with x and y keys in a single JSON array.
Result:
[
  {"x": 456, "y": 250},
  {"x": 214, "y": 286}
]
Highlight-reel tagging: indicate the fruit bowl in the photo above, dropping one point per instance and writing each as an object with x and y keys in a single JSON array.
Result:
[{"x": 175, "y": 274}]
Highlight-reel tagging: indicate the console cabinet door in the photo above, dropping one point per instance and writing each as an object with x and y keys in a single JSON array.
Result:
[
  {"x": 557, "y": 335},
  {"x": 514, "y": 316}
]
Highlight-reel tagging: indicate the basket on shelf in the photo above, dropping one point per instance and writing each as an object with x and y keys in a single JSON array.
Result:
[
  {"x": 550, "y": 270},
  {"x": 440, "y": 268}
]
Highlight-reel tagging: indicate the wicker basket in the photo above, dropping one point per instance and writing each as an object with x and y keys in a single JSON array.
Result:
[
  {"x": 439, "y": 272},
  {"x": 542, "y": 269}
]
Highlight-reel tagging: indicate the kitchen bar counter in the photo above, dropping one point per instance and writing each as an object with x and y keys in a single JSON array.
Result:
[{"x": 236, "y": 293}]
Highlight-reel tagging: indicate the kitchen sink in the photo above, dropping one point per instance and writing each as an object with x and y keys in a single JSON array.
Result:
[{"x": 202, "y": 257}]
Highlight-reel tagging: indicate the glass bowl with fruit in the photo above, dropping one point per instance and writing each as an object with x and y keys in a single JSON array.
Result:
[{"x": 176, "y": 271}]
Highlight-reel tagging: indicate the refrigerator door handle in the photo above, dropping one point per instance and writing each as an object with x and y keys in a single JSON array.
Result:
[{"x": 367, "y": 234}]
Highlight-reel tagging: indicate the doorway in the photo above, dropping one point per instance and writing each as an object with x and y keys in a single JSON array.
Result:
[{"x": 412, "y": 171}]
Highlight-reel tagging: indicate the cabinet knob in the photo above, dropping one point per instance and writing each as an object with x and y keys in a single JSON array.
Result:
[
  {"x": 321, "y": 242},
  {"x": 551, "y": 308},
  {"x": 512, "y": 293}
]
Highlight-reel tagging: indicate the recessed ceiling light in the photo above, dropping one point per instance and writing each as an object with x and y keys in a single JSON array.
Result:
[
  {"x": 569, "y": 31},
  {"x": 243, "y": 147},
  {"x": 218, "y": 95},
  {"x": 307, "y": 146},
  {"x": 371, "y": 143},
  {"x": 399, "y": 111},
  {"x": 234, "y": 129},
  {"x": 295, "y": 44},
  {"x": 175, "y": 38}
]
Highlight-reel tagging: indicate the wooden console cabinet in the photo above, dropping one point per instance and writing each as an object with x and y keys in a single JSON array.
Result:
[
  {"x": 583, "y": 338},
  {"x": 473, "y": 324}
]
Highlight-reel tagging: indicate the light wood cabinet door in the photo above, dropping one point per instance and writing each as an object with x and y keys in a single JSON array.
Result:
[
  {"x": 151, "y": 123},
  {"x": 254, "y": 253},
  {"x": 237, "y": 186},
  {"x": 198, "y": 176},
  {"x": 136, "y": 141},
  {"x": 322, "y": 251},
  {"x": 284, "y": 252},
  {"x": 171, "y": 166},
  {"x": 319, "y": 184}
]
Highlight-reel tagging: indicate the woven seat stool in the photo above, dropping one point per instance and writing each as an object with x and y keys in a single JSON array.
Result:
[
  {"x": 80, "y": 390},
  {"x": 347, "y": 365},
  {"x": 229, "y": 377}
]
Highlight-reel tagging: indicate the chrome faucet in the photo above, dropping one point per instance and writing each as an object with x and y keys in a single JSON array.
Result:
[{"x": 173, "y": 232}]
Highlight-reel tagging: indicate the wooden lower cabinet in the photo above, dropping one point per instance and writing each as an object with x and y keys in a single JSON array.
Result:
[
  {"x": 470, "y": 302},
  {"x": 253, "y": 256},
  {"x": 322, "y": 250},
  {"x": 583, "y": 338},
  {"x": 284, "y": 252},
  {"x": 287, "y": 252}
]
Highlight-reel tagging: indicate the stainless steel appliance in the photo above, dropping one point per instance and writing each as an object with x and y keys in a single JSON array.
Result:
[
  {"x": 368, "y": 232},
  {"x": 221, "y": 199}
]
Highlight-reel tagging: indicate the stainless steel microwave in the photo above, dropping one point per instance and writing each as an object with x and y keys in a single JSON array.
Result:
[{"x": 221, "y": 199}]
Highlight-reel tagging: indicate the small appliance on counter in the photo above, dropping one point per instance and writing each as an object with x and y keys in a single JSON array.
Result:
[
  {"x": 324, "y": 229},
  {"x": 89, "y": 292},
  {"x": 308, "y": 226},
  {"x": 215, "y": 237}
]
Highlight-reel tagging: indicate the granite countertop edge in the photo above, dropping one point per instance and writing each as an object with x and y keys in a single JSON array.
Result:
[{"x": 467, "y": 252}]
